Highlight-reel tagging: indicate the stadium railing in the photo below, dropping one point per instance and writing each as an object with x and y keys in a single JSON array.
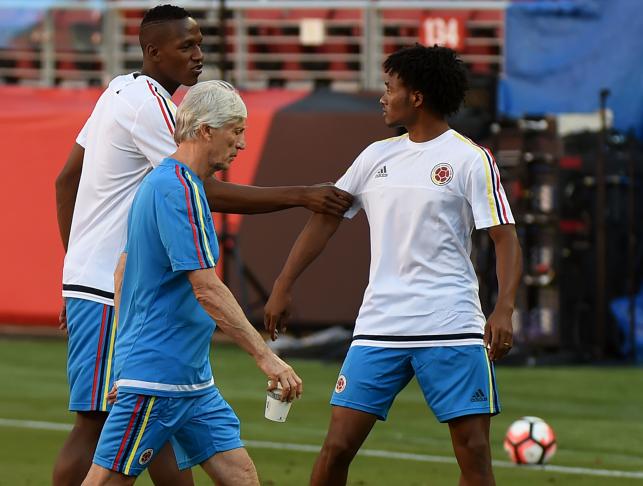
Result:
[{"x": 259, "y": 43}]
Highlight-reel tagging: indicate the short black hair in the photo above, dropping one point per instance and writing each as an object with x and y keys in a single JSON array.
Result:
[
  {"x": 437, "y": 72},
  {"x": 164, "y": 13}
]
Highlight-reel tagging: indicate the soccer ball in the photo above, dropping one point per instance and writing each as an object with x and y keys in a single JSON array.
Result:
[
  {"x": 442, "y": 174},
  {"x": 530, "y": 440}
]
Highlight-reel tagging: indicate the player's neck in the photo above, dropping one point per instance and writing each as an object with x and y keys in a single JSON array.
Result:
[
  {"x": 195, "y": 158},
  {"x": 423, "y": 131},
  {"x": 169, "y": 85}
]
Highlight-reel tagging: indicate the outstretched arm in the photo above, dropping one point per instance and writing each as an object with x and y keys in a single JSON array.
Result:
[
  {"x": 66, "y": 190},
  {"x": 309, "y": 244},
  {"x": 226, "y": 197},
  {"x": 221, "y": 305},
  {"x": 498, "y": 331}
]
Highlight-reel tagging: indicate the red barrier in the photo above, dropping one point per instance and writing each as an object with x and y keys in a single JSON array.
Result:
[{"x": 37, "y": 129}]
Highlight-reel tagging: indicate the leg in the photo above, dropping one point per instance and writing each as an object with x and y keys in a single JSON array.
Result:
[
  {"x": 90, "y": 331},
  {"x": 458, "y": 383},
  {"x": 100, "y": 476},
  {"x": 165, "y": 472},
  {"x": 75, "y": 457},
  {"x": 470, "y": 438},
  {"x": 211, "y": 438},
  {"x": 231, "y": 468},
  {"x": 369, "y": 381},
  {"x": 136, "y": 432},
  {"x": 347, "y": 431}
]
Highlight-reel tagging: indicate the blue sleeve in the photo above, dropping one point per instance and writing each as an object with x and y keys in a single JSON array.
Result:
[{"x": 186, "y": 230}]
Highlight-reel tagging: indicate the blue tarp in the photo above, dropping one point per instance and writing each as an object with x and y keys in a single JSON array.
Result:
[
  {"x": 560, "y": 54},
  {"x": 15, "y": 22},
  {"x": 621, "y": 311},
  {"x": 20, "y": 16}
]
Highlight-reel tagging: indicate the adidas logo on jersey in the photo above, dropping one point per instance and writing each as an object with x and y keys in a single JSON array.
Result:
[
  {"x": 479, "y": 396},
  {"x": 381, "y": 172}
]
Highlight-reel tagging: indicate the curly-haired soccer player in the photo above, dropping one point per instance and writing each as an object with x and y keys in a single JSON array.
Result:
[{"x": 423, "y": 192}]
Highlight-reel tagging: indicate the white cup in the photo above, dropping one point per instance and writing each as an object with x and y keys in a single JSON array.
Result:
[{"x": 276, "y": 410}]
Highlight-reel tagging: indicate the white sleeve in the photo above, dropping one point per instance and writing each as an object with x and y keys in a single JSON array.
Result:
[
  {"x": 352, "y": 182},
  {"x": 81, "y": 139},
  {"x": 486, "y": 194},
  {"x": 153, "y": 130}
]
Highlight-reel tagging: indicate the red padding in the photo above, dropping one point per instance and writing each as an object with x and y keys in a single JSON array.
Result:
[{"x": 37, "y": 129}]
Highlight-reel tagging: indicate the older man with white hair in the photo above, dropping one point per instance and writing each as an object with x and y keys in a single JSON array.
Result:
[{"x": 169, "y": 301}]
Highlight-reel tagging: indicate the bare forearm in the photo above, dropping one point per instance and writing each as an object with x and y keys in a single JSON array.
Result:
[
  {"x": 309, "y": 244},
  {"x": 65, "y": 201},
  {"x": 236, "y": 198},
  {"x": 225, "y": 197},
  {"x": 508, "y": 268},
  {"x": 66, "y": 189},
  {"x": 220, "y": 304}
]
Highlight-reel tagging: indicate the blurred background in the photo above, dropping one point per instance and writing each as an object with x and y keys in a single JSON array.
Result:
[{"x": 556, "y": 93}]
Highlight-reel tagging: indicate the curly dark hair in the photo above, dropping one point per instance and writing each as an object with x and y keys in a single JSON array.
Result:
[
  {"x": 164, "y": 13},
  {"x": 437, "y": 72}
]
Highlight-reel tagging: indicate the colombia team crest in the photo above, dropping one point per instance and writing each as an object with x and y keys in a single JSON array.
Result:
[
  {"x": 341, "y": 384},
  {"x": 442, "y": 174},
  {"x": 146, "y": 456}
]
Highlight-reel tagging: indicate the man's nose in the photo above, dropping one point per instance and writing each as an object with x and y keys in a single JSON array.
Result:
[{"x": 198, "y": 54}]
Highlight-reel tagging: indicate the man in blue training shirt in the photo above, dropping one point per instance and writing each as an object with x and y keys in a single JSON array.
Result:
[{"x": 169, "y": 298}]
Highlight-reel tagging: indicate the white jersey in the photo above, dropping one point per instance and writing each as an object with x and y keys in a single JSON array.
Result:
[
  {"x": 129, "y": 132},
  {"x": 422, "y": 201}
]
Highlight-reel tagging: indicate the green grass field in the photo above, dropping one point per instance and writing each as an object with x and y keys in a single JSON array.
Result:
[{"x": 597, "y": 414}]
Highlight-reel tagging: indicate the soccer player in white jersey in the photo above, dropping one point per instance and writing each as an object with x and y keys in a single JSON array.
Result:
[
  {"x": 169, "y": 301},
  {"x": 423, "y": 193},
  {"x": 128, "y": 133}
]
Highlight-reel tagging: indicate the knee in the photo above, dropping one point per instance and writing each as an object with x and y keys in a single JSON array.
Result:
[
  {"x": 75, "y": 457},
  {"x": 242, "y": 472},
  {"x": 99, "y": 476},
  {"x": 245, "y": 474},
  {"x": 69, "y": 468},
  {"x": 338, "y": 451},
  {"x": 60, "y": 476},
  {"x": 249, "y": 472},
  {"x": 475, "y": 452},
  {"x": 476, "y": 445}
]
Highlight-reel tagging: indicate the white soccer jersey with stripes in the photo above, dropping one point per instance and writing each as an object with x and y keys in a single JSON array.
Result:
[
  {"x": 423, "y": 201},
  {"x": 128, "y": 133}
]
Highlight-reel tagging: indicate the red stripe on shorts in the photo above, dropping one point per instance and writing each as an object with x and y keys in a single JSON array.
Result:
[
  {"x": 98, "y": 356},
  {"x": 132, "y": 419}
]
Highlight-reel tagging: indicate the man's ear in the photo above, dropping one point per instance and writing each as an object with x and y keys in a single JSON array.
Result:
[
  {"x": 152, "y": 52},
  {"x": 417, "y": 99},
  {"x": 205, "y": 131}
]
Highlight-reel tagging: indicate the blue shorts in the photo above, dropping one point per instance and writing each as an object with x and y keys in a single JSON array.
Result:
[
  {"x": 90, "y": 354},
  {"x": 455, "y": 380},
  {"x": 140, "y": 425}
]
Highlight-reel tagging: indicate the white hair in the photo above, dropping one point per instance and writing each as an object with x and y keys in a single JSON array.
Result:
[{"x": 211, "y": 103}]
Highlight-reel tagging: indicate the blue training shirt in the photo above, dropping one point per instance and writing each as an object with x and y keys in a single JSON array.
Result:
[{"x": 163, "y": 338}]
